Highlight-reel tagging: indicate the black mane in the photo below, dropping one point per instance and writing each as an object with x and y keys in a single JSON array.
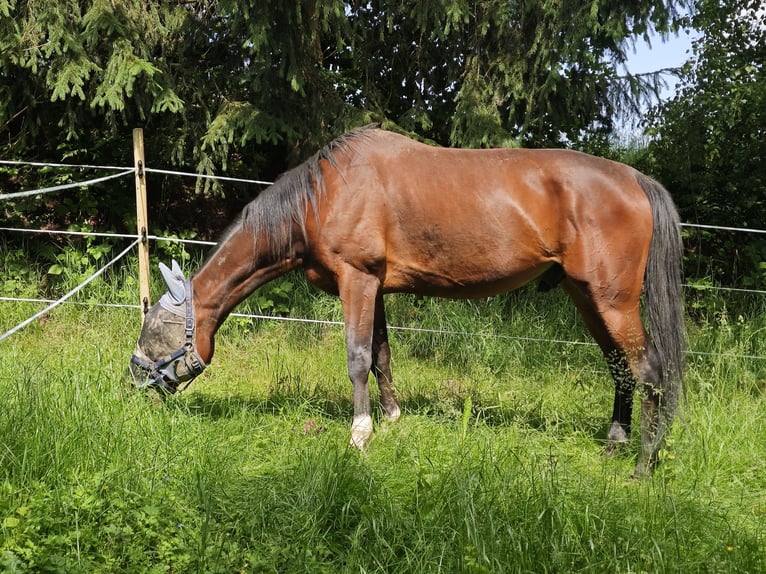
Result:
[{"x": 273, "y": 212}]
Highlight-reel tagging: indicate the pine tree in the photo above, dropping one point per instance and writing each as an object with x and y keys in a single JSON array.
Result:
[{"x": 251, "y": 87}]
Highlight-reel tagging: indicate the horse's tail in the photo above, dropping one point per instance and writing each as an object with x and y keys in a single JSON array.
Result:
[{"x": 663, "y": 299}]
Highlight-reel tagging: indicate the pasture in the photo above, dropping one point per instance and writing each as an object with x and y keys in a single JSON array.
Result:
[{"x": 497, "y": 464}]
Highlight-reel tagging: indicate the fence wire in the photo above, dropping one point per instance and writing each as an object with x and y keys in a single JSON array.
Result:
[
  {"x": 63, "y": 186},
  {"x": 207, "y": 176},
  {"x": 62, "y": 165},
  {"x": 68, "y": 295},
  {"x": 395, "y": 328},
  {"x": 125, "y": 171}
]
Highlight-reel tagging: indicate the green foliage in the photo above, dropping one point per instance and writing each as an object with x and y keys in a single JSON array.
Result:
[
  {"x": 490, "y": 72},
  {"x": 709, "y": 147},
  {"x": 274, "y": 297},
  {"x": 81, "y": 209},
  {"x": 228, "y": 85},
  {"x": 19, "y": 278},
  {"x": 252, "y": 88},
  {"x": 172, "y": 247},
  {"x": 82, "y": 260},
  {"x": 97, "y": 526}
]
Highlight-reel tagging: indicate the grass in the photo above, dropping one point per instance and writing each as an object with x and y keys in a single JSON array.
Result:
[{"x": 496, "y": 465}]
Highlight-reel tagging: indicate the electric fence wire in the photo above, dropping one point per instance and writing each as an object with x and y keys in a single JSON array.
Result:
[
  {"x": 126, "y": 170},
  {"x": 723, "y": 228},
  {"x": 105, "y": 235},
  {"x": 401, "y": 329},
  {"x": 207, "y": 176},
  {"x": 160, "y": 238},
  {"x": 70, "y": 294},
  {"x": 63, "y": 186},
  {"x": 61, "y": 165},
  {"x": 266, "y": 317}
]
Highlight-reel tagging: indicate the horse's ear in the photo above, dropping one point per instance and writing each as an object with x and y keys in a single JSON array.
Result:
[
  {"x": 174, "y": 279},
  {"x": 176, "y": 269}
]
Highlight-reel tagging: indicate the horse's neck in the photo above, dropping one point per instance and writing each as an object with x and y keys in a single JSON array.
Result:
[{"x": 236, "y": 268}]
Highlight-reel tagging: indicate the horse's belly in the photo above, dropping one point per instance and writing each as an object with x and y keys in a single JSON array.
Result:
[{"x": 466, "y": 285}]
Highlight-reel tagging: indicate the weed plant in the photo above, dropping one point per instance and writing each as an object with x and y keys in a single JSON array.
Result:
[{"x": 497, "y": 464}]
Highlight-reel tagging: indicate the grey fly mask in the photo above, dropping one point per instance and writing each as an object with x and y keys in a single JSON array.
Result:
[{"x": 178, "y": 366}]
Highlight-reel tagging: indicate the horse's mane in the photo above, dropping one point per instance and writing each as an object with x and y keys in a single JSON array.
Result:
[{"x": 271, "y": 215}]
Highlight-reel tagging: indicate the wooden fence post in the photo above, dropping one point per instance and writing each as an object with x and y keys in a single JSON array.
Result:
[{"x": 141, "y": 220}]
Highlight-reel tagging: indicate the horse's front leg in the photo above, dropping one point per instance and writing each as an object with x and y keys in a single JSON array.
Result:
[
  {"x": 358, "y": 292},
  {"x": 381, "y": 361}
]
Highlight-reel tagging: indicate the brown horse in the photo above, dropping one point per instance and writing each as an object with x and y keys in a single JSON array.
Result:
[{"x": 375, "y": 212}]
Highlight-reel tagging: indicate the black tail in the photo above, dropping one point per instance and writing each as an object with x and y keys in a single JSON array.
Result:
[{"x": 664, "y": 298}]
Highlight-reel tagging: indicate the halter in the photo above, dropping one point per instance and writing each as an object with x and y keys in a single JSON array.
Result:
[{"x": 165, "y": 370}]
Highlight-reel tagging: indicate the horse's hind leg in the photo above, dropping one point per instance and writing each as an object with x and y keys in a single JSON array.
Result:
[
  {"x": 619, "y": 331},
  {"x": 622, "y": 409},
  {"x": 623, "y": 376},
  {"x": 381, "y": 362},
  {"x": 638, "y": 361}
]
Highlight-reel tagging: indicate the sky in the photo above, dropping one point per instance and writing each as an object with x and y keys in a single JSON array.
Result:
[{"x": 674, "y": 52}]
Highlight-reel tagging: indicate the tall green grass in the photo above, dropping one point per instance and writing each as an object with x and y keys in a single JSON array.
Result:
[{"x": 495, "y": 466}]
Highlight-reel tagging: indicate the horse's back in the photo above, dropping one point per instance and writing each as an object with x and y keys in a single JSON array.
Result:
[
  {"x": 474, "y": 222},
  {"x": 404, "y": 175}
]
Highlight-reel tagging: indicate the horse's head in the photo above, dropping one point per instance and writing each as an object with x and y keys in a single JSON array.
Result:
[{"x": 165, "y": 355}]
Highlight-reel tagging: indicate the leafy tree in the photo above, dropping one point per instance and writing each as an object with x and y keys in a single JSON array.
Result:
[
  {"x": 541, "y": 73},
  {"x": 710, "y": 140},
  {"x": 252, "y": 87},
  {"x": 215, "y": 77},
  {"x": 212, "y": 81}
]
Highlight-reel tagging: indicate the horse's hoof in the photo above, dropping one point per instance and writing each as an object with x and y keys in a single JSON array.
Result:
[
  {"x": 361, "y": 431},
  {"x": 392, "y": 415}
]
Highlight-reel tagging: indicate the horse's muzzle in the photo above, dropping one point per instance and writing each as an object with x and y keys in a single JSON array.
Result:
[{"x": 168, "y": 373}]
